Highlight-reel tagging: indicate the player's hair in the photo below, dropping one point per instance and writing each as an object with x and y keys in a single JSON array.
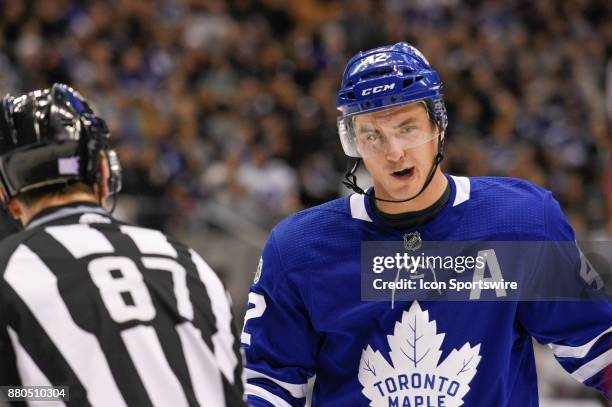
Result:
[{"x": 429, "y": 107}]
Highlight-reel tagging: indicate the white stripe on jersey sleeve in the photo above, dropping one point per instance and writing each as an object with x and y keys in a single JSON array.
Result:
[
  {"x": 158, "y": 378},
  {"x": 29, "y": 372},
  {"x": 223, "y": 339},
  {"x": 80, "y": 240},
  {"x": 462, "y": 189},
  {"x": 595, "y": 366},
  {"x": 296, "y": 390},
  {"x": 149, "y": 241},
  {"x": 205, "y": 376},
  {"x": 564, "y": 351},
  {"x": 266, "y": 395},
  {"x": 36, "y": 285}
]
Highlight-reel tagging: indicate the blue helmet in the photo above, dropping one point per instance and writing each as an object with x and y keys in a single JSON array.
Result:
[{"x": 385, "y": 77}]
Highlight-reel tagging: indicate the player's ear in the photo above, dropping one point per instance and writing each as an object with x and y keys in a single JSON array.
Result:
[{"x": 438, "y": 130}]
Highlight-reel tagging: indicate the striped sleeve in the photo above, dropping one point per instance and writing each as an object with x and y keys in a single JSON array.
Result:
[
  {"x": 578, "y": 332},
  {"x": 278, "y": 339},
  {"x": 264, "y": 387},
  {"x": 588, "y": 363}
]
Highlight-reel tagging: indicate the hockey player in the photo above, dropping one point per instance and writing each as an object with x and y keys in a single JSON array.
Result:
[
  {"x": 120, "y": 315},
  {"x": 306, "y": 316}
]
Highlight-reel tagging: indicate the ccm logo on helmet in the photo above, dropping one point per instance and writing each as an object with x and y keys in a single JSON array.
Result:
[{"x": 377, "y": 89}]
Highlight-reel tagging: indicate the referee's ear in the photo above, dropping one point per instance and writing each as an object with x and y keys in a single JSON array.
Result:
[
  {"x": 17, "y": 210},
  {"x": 11, "y": 206},
  {"x": 102, "y": 188}
]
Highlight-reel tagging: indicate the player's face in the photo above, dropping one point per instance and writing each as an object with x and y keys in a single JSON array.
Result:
[{"x": 398, "y": 146}]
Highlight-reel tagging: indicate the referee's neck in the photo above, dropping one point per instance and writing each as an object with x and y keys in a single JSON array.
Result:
[{"x": 24, "y": 213}]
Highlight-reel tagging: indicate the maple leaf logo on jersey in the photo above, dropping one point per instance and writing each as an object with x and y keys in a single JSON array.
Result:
[{"x": 415, "y": 378}]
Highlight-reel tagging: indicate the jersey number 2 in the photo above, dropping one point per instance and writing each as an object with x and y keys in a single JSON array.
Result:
[{"x": 259, "y": 303}]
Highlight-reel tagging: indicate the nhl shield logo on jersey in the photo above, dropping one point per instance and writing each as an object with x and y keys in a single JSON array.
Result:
[
  {"x": 258, "y": 272},
  {"x": 415, "y": 378},
  {"x": 412, "y": 241}
]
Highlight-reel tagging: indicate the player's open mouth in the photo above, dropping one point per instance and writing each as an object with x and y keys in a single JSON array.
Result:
[{"x": 404, "y": 174}]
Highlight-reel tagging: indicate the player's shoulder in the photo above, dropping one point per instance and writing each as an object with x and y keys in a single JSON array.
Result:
[
  {"x": 314, "y": 234},
  {"x": 312, "y": 222},
  {"x": 506, "y": 191},
  {"x": 516, "y": 204}
]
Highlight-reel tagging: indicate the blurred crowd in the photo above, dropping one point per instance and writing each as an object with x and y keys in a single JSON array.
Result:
[{"x": 234, "y": 101}]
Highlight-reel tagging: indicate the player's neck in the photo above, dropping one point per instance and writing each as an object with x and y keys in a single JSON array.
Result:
[{"x": 432, "y": 193}]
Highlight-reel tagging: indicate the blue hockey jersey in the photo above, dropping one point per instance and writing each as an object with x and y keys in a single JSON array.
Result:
[{"x": 306, "y": 316}]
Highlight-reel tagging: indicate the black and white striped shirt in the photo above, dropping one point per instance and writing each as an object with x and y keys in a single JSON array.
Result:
[{"x": 123, "y": 315}]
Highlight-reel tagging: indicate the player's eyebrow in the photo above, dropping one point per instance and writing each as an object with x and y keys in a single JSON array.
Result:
[
  {"x": 365, "y": 126},
  {"x": 409, "y": 120}
]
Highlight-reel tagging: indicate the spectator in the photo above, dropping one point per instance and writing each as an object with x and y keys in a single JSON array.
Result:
[{"x": 242, "y": 87}]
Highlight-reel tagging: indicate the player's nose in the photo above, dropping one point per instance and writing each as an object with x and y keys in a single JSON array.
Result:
[{"x": 394, "y": 150}]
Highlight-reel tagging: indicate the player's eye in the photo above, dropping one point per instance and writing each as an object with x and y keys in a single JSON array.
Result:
[
  {"x": 407, "y": 129},
  {"x": 371, "y": 136}
]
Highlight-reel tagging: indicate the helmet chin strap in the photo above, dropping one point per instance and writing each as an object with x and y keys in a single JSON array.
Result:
[{"x": 350, "y": 179}]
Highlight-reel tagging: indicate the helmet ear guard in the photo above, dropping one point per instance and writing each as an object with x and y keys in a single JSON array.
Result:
[{"x": 49, "y": 137}]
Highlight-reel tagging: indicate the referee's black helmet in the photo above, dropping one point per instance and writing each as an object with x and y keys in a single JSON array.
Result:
[{"x": 52, "y": 137}]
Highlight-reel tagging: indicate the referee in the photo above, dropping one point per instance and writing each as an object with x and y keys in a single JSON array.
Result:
[{"x": 121, "y": 315}]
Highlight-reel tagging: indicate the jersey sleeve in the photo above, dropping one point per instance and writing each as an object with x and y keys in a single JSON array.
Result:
[
  {"x": 278, "y": 339},
  {"x": 578, "y": 332}
]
